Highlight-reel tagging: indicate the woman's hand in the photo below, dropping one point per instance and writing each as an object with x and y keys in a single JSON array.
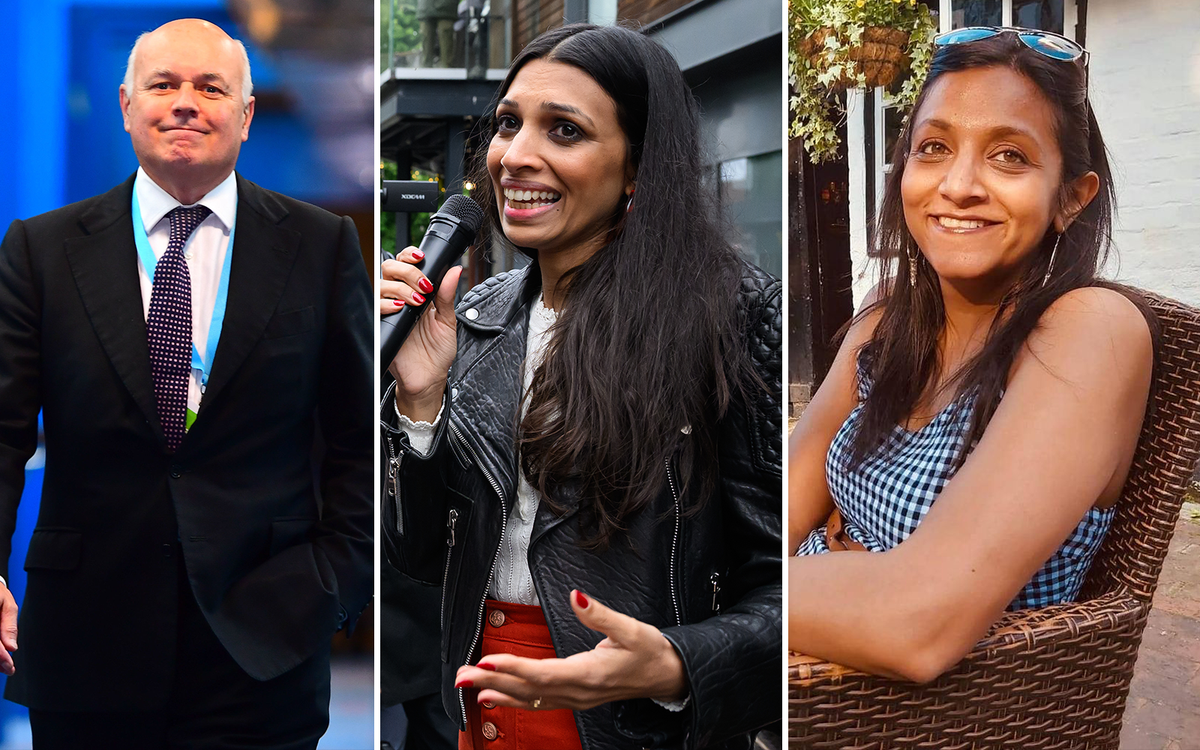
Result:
[
  {"x": 635, "y": 660},
  {"x": 421, "y": 365}
]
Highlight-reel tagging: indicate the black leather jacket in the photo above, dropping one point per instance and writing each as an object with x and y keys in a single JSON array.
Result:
[{"x": 709, "y": 579}]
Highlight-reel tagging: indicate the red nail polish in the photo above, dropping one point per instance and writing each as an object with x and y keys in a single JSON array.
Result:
[
  {"x": 418, "y": 255},
  {"x": 425, "y": 285},
  {"x": 486, "y": 666},
  {"x": 418, "y": 299},
  {"x": 581, "y": 600},
  {"x": 398, "y": 302},
  {"x": 464, "y": 684}
]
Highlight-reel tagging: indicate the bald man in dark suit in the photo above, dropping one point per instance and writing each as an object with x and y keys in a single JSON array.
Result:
[{"x": 185, "y": 335}]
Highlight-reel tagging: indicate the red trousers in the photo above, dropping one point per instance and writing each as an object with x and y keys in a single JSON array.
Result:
[{"x": 518, "y": 629}]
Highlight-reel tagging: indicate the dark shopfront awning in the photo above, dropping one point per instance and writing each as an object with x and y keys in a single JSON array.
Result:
[{"x": 417, "y": 115}]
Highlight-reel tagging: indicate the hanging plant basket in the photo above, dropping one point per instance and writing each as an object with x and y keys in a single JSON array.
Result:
[
  {"x": 882, "y": 55},
  {"x": 835, "y": 45}
]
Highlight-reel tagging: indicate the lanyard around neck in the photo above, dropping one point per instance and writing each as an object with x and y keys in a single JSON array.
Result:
[{"x": 218, "y": 314}]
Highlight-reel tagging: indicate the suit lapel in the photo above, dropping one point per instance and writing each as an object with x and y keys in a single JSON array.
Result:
[
  {"x": 263, "y": 255},
  {"x": 104, "y": 265}
]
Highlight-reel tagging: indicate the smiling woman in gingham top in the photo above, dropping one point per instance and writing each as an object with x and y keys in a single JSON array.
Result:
[
  {"x": 884, "y": 498},
  {"x": 968, "y": 447}
]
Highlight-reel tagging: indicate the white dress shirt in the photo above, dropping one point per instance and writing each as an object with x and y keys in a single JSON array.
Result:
[{"x": 204, "y": 254}]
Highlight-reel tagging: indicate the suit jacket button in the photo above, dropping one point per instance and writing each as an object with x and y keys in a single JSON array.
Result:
[
  {"x": 489, "y": 731},
  {"x": 495, "y": 618},
  {"x": 167, "y": 550},
  {"x": 175, "y": 472}
]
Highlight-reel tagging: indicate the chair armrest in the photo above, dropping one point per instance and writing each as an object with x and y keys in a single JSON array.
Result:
[
  {"x": 1036, "y": 629},
  {"x": 1033, "y": 631},
  {"x": 1039, "y": 678}
]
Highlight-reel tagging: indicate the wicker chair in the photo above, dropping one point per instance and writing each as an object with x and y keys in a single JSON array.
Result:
[{"x": 1053, "y": 678}]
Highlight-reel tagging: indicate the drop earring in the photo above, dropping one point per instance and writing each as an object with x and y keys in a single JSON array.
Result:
[
  {"x": 1053, "y": 253},
  {"x": 629, "y": 200},
  {"x": 912, "y": 267}
]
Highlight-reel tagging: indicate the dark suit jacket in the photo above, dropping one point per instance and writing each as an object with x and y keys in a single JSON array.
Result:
[{"x": 270, "y": 564}]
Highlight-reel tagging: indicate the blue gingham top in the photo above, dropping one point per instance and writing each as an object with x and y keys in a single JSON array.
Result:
[{"x": 884, "y": 498}]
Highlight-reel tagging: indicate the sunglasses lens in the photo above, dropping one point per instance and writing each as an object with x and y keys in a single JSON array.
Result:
[
  {"x": 962, "y": 36},
  {"x": 1052, "y": 46}
]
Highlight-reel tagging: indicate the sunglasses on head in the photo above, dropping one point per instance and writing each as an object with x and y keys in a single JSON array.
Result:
[{"x": 1045, "y": 43}]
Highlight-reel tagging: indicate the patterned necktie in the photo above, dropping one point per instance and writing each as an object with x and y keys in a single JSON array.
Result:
[{"x": 169, "y": 326}]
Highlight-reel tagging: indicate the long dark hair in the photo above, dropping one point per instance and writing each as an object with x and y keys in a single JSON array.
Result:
[
  {"x": 902, "y": 355},
  {"x": 646, "y": 343}
]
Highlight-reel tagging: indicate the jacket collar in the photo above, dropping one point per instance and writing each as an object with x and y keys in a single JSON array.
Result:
[
  {"x": 500, "y": 305},
  {"x": 493, "y": 305},
  {"x": 494, "y": 316},
  {"x": 156, "y": 202}
]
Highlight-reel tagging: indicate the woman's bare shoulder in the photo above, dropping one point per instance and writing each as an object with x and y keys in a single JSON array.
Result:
[{"x": 1094, "y": 326}]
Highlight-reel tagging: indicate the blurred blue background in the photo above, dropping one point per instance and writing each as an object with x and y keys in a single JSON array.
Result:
[
  {"x": 61, "y": 133},
  {"x": 62, "y": 140}
]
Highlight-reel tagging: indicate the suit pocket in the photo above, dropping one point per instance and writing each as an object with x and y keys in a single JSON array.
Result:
[
  {"x": 54, "y": 549},
  {"x": 287, "y": 532},
  {"x": 290, "y": 323}
]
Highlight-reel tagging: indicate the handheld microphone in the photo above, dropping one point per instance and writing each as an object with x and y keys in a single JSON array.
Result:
[{"x": 451, "y": 231}]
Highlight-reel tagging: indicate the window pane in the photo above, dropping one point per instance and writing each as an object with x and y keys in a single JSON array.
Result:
[
  {"x": 977, "y": 13},
  {"x": 893, "y": 118},
  {"x": 750, "y": 190},
  {"x": 446, "y": 33},
  {"x": 1039, "y": 14},
  {"x": 602, "y": 12}
]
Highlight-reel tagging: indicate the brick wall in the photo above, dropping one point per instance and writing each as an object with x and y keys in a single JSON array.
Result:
[
  {"x": 647, "y": 11},
  {"x": 534, "y": 17},
  {"x": 1145, "y": 78}
]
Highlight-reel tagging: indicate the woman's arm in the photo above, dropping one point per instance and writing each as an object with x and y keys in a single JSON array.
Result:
[
  {"x": 412, "y": 488},
  {"x": 413, "y": 481},
  {"x": 809, "y": 501},
  {"x": 1062, "y": 437}
]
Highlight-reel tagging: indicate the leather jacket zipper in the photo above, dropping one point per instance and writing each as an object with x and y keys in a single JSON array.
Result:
[
  {"x": 451, "y": 522},
  {"x": 392, "y": 483},
  {"x": 674, "y": 542},
  {"x": 462, "y": 701},
  {"x": 393, "y": 478},
  {"x": 715, "y": 581}
]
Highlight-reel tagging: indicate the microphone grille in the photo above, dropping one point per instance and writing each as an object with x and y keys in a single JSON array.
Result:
[{"x": 465, "y": 210}]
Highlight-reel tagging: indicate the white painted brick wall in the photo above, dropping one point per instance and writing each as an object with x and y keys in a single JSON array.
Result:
[{"x": 1145, "y": 80}]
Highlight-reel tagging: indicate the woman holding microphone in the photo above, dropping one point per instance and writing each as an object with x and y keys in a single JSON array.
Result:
[{"x": 587, "y": 451}]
